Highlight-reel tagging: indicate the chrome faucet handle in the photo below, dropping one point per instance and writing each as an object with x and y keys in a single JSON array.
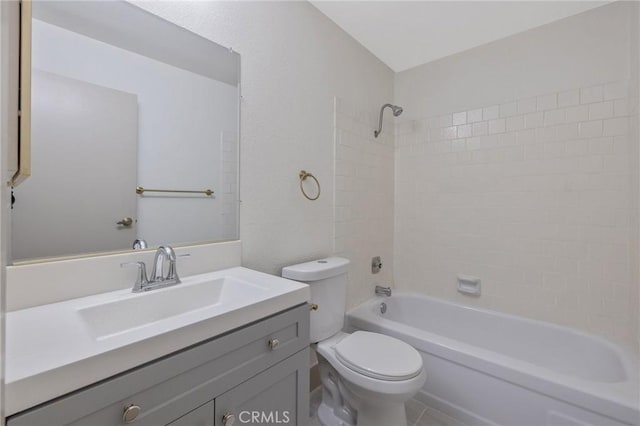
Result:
[
  {"x": 172, "y": 273},
  {"x": 383, "y": 291},
  {"x": 141, "y": 279}
]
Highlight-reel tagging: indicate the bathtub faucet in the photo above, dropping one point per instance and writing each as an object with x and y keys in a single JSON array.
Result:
[{"x": 383, "y": 291}]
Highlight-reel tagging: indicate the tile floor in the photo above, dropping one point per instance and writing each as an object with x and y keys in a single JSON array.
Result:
[{"x": 418, "y": 414}]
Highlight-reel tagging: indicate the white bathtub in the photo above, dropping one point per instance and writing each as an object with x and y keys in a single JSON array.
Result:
[{"x": 485, "y": 367}]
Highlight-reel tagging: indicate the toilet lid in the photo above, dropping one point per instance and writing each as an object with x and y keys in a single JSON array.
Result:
[{"x": 379, "y": 356}]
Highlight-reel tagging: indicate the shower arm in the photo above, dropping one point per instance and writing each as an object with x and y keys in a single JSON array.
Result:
[{"x": 376, "y": 133}]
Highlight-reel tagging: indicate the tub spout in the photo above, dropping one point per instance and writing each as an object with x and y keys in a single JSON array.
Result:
[{"x": 383, "y": 291}]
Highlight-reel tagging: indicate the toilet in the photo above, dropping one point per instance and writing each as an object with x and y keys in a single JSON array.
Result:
[{"x": 366, "y": 377}]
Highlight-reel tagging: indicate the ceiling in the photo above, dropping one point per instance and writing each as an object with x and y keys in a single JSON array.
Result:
[{"x": 404, "y": 34}]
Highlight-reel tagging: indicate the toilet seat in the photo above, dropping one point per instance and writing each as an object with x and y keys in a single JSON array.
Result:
[{"x": 378, "y": 356}]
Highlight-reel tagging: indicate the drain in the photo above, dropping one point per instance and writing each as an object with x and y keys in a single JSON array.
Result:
[{"x": 383, "y": 308}]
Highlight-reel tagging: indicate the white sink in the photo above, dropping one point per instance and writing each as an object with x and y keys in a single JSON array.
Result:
[
  {"x": 57, "y": 348},
  {"x": 135, "y": 311}
]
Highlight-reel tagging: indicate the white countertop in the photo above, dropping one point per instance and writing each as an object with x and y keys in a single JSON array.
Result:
[{"x": 51, "y": 351}]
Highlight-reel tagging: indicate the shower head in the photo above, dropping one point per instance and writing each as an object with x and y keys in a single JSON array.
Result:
[{"x": 396, "y": 112}]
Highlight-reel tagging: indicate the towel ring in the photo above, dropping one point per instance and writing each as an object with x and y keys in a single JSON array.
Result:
[{"x": 303, "y": 176}]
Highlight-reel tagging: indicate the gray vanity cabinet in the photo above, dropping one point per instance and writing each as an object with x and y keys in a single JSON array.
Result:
[
  {"x": 269, "y": 398},
  {"x": 201, "y": 416},
  {"x": 262, "y": 367}
]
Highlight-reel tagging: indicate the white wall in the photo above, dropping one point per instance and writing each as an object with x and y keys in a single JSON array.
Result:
[
  {"x": 183, "y": 119},
  {"x": 515, "y": 163},
  {"x": 294, "y": 61}
]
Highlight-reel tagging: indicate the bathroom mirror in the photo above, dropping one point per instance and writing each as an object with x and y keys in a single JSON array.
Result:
[{"x": 134, "y": 133}]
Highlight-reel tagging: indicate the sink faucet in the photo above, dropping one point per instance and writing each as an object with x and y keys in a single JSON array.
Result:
[
  {"x": 383, "y": 291},
  {"x": 158, "y": 279},
  {"x": 165, "y": 253}
]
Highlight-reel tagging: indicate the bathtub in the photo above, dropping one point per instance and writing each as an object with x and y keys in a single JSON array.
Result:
[{"x": 488, "y": 368}]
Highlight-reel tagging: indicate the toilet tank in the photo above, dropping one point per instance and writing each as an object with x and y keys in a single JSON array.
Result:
[{"x": 327, "y": 280}]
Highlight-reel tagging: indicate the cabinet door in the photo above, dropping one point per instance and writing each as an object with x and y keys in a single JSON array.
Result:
[
  {"x": 277, "y": 396},
  {"x": 201, "y": 416}
]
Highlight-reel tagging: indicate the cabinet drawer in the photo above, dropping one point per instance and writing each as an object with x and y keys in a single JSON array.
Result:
[{"x": 180, "y": 382}]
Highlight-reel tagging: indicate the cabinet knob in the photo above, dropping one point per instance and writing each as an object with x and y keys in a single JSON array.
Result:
[
  {"x": 228, "y": 419},
  {"x": 130, "y": 414},
  {"x": 273, "y": 344}
]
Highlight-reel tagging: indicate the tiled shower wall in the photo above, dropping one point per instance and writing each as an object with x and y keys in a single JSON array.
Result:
[
  {"x": 363, "y": 196},
  {"x": 535, "y": 196}
]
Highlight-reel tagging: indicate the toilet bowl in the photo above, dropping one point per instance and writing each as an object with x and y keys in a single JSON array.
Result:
[
  {"x": 377, "y": 375},
  {"x": 366, "y": 377}
]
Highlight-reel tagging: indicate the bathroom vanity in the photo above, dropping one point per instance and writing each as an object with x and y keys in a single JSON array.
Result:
[
  {"x": 178, "y": 360},
  {"x": 262, "y": 367}
]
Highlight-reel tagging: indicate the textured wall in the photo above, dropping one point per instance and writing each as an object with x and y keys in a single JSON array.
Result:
[
  {"x": 294, "y": 61},
  {"x": 525, "y": 177}
]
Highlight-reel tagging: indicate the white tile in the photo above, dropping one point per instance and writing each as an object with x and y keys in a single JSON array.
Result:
[
  {"x": 553, "y": 117},
  {"x": 546, "y": 134},
  {"x": 577, "y": 147},
  {"x": 525, "y": 106},
  {"x": 488, "y": 142},
  {"x": 534, "y": 151},
  {"x": 507, "y": 139},
  {"x": 533, "y": 120},
  {"x": 515, "y": 123},
  {"x": 480, "y": 128},
  {"x": 567, "y": 131},
  {"x": 600, "y": 110},
  {"x": 616, "y": 90},
  {"x": 621, "y": 144},
  {"x": 547, "y": 102},
  {"x": 449, "y": 132},
  {"x": 491, "y": 112},
  {"x": 459, "y": 118},
  {"x": 445, "y": 120},
  {"x": 526, "y": 136},
  {"x": 569, "y": 98},
  {"x": 554, "y": 149},
  {"x": 601, "y": 145},
  {"x": 590, "y": 129},
  {"x": 497, "y": 126},
  {"x": 508, "y": 109},
  {"x": 473, "y": 143},
  {"x": 616, "y": 126},
  {"x": 458, "y": 145},
  {"x": 591, "y": 94},
  {"x": 464, "y": 131},
  {"x": 474, "y": 115},
  {"x": 577, "y": 113},
  {"x": 621, "y": 107},
  {"x": 590, "y": 164},
  {"x": 616, "y": 163}
]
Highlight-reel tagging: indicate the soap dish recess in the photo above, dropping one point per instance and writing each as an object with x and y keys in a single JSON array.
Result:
[{"x": 469, "y": 285}]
